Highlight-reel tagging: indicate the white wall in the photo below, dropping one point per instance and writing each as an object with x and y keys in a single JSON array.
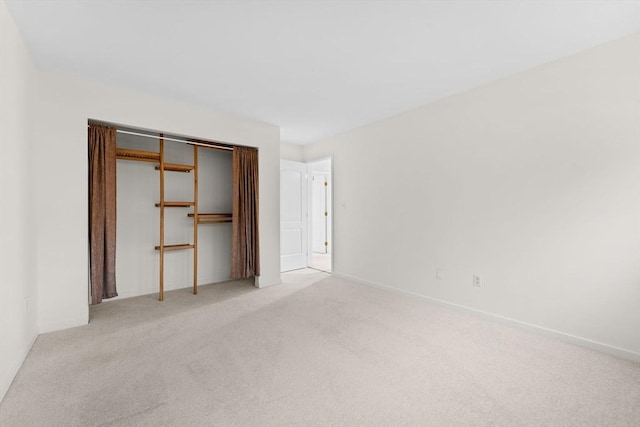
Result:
[
  {"x": 532, "y": 182},
  {"x": 18, "y": 328},
  {"x": 138, "y": 220},
  {"x": 291, "y": 152},
  {"x": 60, "y": 138}
]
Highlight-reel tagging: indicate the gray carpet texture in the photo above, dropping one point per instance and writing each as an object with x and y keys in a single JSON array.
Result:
[{"x": 314, "y": 351}]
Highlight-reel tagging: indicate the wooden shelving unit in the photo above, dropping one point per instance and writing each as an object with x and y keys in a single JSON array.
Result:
[
  {"x": 212, "y": 218},
  {"x": 176, "y": 247},
  {"x": 201, "y": 218},
  {"x": 174, "y": 167},
  {"x": 195, "y": 223},
  {"x": 198, "y": 218},
  {"x": 137, "y": 155},
  {"x": 176, "y": 204}
]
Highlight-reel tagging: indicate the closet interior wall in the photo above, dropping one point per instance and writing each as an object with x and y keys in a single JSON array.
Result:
[{"x": 138, "y": 219}]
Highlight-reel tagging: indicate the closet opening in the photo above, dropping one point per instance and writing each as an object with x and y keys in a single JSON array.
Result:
[{"x": 168, "y": 212}]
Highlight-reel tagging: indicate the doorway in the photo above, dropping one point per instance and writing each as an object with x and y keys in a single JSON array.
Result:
[
  {"x": 320, "y": 215},
  {"x": 306, "y": 215}
]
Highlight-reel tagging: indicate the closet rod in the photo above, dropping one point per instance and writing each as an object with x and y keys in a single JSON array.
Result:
[
  {"x": 219, "y": 147},
  {"x": 185, "y": 141}
]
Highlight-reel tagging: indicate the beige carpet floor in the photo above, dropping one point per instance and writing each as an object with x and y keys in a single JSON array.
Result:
[{"x": 315, "y": 351}]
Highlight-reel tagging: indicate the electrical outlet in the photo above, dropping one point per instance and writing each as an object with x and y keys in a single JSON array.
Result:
[
  {"x": 439, "y": 274},
  {"x": 477, "y": 281}
]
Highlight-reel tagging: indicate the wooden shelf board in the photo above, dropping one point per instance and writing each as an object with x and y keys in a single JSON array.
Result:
[
  {"x": 213, "y": 221},
  {"x": 175, "y": 167},
  {"x": 176, "y": 204},
  {"x": 176, "y": 247},
  {"x": 137, "y": 155},
  {"x": 211, "y": 215}
]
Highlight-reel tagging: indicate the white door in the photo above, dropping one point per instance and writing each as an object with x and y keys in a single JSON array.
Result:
[
  {"x": 293, "y": 215},
  {"x": 319, "y": 213}
]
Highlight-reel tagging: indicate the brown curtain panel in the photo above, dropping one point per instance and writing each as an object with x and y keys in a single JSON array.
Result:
[
  {"x": 102, "y": 212},
  {"x": 245, "y": 254}
]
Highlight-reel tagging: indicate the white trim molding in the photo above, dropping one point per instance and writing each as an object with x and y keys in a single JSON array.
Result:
[
  {"x": 541, "y": 330},
  {"x": 10, "y": 375}
]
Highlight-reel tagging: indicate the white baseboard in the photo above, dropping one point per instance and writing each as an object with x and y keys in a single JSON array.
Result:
[
  {"x": 210, "y": 281},
  {"x": 259, "y": 284},
  {"x": 563, "y": 336},
  {"x": 63, "y": 324},
  {"x": 8, "y": 377}
]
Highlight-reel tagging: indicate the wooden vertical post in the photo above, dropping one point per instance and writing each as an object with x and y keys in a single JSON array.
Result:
[
  {"x": 195, "y": 219},
  {"x": 161, "y": 291}
]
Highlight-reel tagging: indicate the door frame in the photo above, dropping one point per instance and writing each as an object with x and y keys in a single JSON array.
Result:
[{"x": 331, "y": 210}]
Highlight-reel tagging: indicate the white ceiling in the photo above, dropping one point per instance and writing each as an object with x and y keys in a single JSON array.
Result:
[{"x": 314, "y": 68}]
